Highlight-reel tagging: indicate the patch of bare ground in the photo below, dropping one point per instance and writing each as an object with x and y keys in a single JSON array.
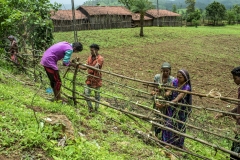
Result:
[
  {"x": 209, "y": 60},
  {"x": 35, "y": 108},
  {"x": 10, "y": 157},
  {"x": 34, "y": 153}
]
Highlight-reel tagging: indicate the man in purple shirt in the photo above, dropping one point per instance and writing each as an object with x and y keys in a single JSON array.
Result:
[{"x": 58, "y": 51}]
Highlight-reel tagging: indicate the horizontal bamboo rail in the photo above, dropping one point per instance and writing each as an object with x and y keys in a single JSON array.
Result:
[
  {"x": 119, "y": 84},
  {"x": 199, "y": 107},
  {"x": 118, "y": 75},
  {"x": 200, "y": 95},
  {"x": 155, "y": 139},
  {"x": 180, "y": 104},
  {"x": 192, "y": 126},
  {"x": 162, "y": 86},
  {"x": 170, "y": 145},
  {"x": 187, "y": 124},
  {"x": 197, "y": 139},
  {"x": 151, "y": 120}
]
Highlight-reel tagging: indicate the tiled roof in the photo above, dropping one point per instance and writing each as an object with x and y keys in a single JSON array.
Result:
[
  {"x": 67, "y": 15},
  {"x": 162, "y": 13},
  {"x": 136, "y": 17},
  {"x": 106, "y": 10}
]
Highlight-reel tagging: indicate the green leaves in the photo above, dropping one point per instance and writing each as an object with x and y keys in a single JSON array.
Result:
[
  {"x": 30, "y": 18},
  {"x": 215, "y": 11},
  {"x": 191, "y": 5},
  {"x": 141, "y": 6}
]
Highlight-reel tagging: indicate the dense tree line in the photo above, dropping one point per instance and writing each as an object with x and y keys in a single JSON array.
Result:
[
  {"x": 191, "y": 10},
  {"x": 167, "y": 4},
  {"x": 28, "y": 20}
]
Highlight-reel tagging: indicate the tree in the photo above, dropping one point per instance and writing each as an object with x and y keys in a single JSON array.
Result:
[
  {"x": 231, "y": 16},
  {"x": 236, "y": 8},
  {"x": 174, "y": 8},
  {"x": 127, "y": 3},
  {"x": 29, "y": 20},
  {"x": 196, "y": 15},
  {"x": 191, "y": 5},
  {"x": 191, "y": 12},
  {"x": 141, "y": 6},
  {"x": 138, "y": 6},
  {"x": 215, "y": 11}
]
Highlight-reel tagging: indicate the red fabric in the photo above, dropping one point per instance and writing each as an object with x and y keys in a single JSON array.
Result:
[
  {"x": 54, "y": 78},
  {"x": 95, "y": 81}
]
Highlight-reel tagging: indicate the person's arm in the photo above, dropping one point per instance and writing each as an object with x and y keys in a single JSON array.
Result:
[
  {"x": 99, "y": 63},
  {"x": 66, "y": 58},
  {"x": 179, "y": 97},
  {"x": 168, "y": 92},
  {"x": 220, "y": 115}
]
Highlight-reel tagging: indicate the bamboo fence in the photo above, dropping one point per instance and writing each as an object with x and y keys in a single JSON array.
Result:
[{"x": 124, "y": 94}]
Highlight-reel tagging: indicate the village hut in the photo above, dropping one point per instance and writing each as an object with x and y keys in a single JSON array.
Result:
[
  {"x": 164, "y": 17},
  {"x": 105, "y": 17},
  {"x": 148, "y": 21},
  {"x": 63, "y": 20}
]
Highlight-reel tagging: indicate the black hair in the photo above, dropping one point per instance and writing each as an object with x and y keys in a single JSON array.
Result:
[
  {"x": 95, "y": 46},
  {"x": 236, "y": 71},
  {"x": 78, "y": 46}
]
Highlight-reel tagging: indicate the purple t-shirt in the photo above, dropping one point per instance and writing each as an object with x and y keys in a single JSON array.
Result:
[{"x": 55, "y": 53}]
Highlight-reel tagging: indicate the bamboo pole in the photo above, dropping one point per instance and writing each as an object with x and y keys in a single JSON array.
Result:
[
  {"x": 18, "y": 65},
  {"x": 159, "y": 113},
  {"x": 74, "y": 85},
  {"x": 180, "y": 104},
  {"x": 199, "y": 94},
  {"x": 34, "y": 68},
  {"x": 118, "y": 75},
  {"x": 194, "y": 127},
  {"x": 151, "y": 120},
  {"x": 123, "y": 85},
  {"x": 170, "y": 145},
  {"x": 199, "y": 107},
  {"x": 162, "y": 86},
  {"x": 197, "y": 139},
  {"x": 155, "y": 139}
]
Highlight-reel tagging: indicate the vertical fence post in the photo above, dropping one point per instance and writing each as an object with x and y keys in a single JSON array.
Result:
[
  {"x": 34, "y": 66},
  {"x": 74, "y": 84}
]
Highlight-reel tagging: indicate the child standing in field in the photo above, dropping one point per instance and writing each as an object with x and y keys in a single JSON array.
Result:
[
  {"x": 166, "y": 79},
  {"x": 178, "y": 112},
  {"x": 235, "y": 146},
  {"x": 94, "y": 80}
]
